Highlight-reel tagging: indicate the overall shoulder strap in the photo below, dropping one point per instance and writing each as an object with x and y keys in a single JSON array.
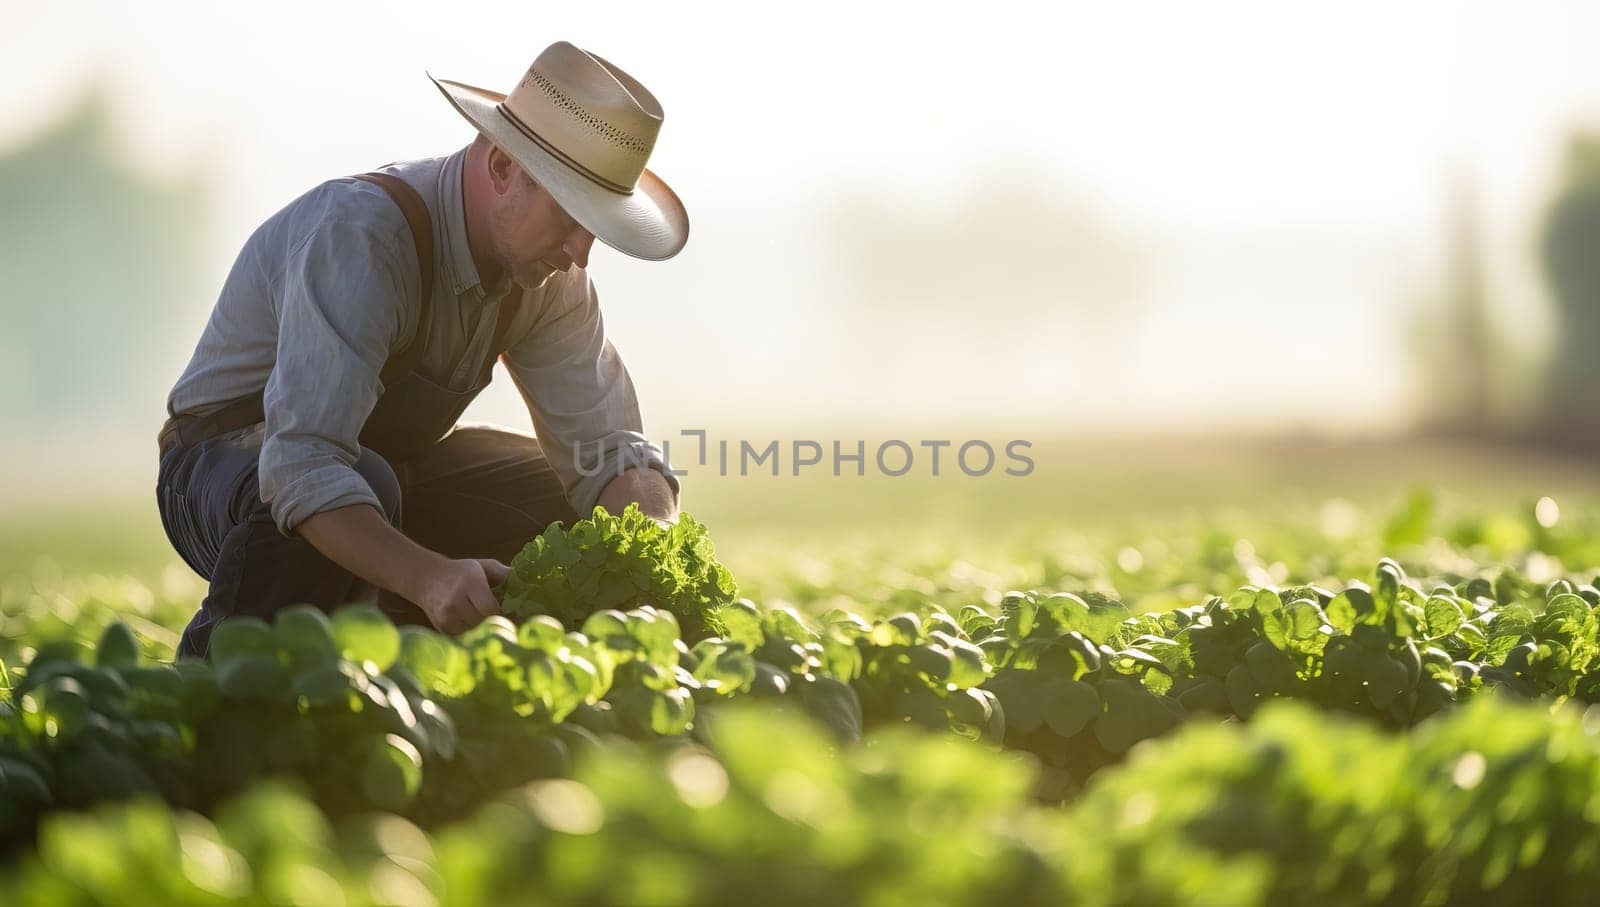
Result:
[
  {"x": 416, "y": 213},
  {"x": 509, "y": 306},
  {"x": 251, "y": 409}
]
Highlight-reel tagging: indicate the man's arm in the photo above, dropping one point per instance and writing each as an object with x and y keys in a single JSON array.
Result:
[
  {"x": 349, "y": 292},
  {"x": 584, "y": 408},
  {"x": 455, "y": 594},
  {"x": 344, "y": 304}
]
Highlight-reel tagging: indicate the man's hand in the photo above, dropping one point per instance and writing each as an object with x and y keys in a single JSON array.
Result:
[
  {"x": 456, "y": 594},
  {"x": 453, "y": 593}
]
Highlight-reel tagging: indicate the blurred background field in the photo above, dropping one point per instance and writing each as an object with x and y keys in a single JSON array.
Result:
[
  {"x": 1105, "y": 492},
  {"x": 1158, "y": 525}
]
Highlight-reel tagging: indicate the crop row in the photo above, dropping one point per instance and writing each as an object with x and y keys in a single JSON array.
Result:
[
  {"x": 1492, "y": 804},
  {"x": 410, "y": 721}
]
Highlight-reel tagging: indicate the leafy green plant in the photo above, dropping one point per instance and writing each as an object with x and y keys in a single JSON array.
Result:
[
  {"x": 624, "y": 645},
  {"x": 619, "y": 562},
  {"x": 1490, "y": 805}
]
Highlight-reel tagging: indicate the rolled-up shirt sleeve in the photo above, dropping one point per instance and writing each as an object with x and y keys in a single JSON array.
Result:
[
  {"x": 579, "y": 395},
  {"x": 343, "y": 305}
]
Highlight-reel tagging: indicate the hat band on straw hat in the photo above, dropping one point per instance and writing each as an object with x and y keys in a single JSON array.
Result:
[{"x": 560, "y": 155}]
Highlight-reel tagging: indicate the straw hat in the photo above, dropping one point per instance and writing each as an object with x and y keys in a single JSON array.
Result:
[{"x": 584, "y": 129}]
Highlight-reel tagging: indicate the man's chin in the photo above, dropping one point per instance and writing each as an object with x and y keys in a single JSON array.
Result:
[{"x": 540, "y": 276}]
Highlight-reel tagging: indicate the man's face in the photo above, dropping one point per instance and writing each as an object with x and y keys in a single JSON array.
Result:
[{"x": 534, "y": 237}]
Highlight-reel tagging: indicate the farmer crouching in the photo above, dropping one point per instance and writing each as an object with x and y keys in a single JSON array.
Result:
[{"x": 313, "y": 452}]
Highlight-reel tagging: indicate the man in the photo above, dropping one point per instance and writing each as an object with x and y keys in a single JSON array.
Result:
[{"x": 313, "y": 453}]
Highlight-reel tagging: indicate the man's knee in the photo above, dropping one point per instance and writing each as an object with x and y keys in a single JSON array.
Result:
[{"x": 381, "y": 478}]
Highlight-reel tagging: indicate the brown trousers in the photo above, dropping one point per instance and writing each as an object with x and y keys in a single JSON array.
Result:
[{"x": 479, "y": 492}]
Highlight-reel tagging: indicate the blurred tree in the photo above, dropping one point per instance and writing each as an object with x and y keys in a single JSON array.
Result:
[
  {"x": 98, "y": 263},
  {"x": 1570, "y": 251},
  {"x": 1457, "y": 354}
]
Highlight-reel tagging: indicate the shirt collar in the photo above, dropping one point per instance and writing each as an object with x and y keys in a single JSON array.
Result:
[{"x": 458, "y": 252}]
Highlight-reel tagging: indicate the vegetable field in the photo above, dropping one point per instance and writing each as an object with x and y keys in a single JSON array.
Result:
[{"x": 1395, "y": 701}]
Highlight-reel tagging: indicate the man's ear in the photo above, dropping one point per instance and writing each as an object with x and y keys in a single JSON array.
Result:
[{"x": 503, "y": 170}]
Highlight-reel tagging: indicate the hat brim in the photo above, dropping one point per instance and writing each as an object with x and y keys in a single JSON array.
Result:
[{"x": 648, "y": 223}]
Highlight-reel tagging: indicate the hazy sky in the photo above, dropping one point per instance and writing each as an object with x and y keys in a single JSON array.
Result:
[{"x": 1281, "y": 168}]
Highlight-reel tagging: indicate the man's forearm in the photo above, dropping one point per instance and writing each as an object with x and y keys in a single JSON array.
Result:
[
  {"x": 645, "y": 486},
  {"x": 359, "y": 539}
]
